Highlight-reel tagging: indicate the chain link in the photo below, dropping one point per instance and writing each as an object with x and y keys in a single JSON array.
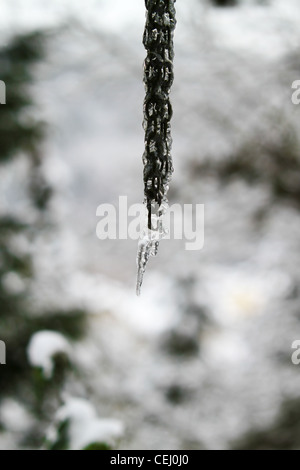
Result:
[{"x": 158, "y": 79}]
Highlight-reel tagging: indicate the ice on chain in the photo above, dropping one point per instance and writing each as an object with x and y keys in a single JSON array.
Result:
[
  {"x": 149, "y": 240},
  {"x": 157, "y": 160}
]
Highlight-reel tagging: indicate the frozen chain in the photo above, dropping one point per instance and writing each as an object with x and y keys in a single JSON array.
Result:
[{"x": 158, "y": 79}]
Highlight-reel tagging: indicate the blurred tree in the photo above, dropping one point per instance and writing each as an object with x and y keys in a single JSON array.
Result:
[
  {"x": 20, "y": 137},
  {"x": 282, "y": 434},
  {"x": 224, "y": 3},
  {"x": 18, "y": 131},
  {"x": 269, "y": 160}
]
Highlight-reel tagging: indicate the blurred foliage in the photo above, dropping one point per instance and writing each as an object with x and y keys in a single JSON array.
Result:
[
  {"x": 273, "y": 161},
  {"x": 181, "y": 344},
  {"x": 224, "y": 3},
  {"x": 98, "y": 446},
  {"x": 21, "y": 133},
  {"x": 17, "y": 326},
  {"x": 16, "y": 60},
  {"x": 19, "y": 130},
  {"x": 61, "y": 442},
  {"x": 284, "y": 434}
]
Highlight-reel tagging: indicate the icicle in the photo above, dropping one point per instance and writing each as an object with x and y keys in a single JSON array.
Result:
[
  {"x": 158, "y": 168},
  {"x": 149, "y": 241}
]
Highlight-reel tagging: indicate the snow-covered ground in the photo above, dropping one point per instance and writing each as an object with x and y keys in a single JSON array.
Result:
[{"x": 204, "y": 355}]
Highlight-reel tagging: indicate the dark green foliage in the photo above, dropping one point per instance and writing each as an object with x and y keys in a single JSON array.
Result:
[
  {"x": 62, "y": 441},
  {"x": 224, "y": 3},
  {"x": 177, "y": 394},
  {"x": 19, "y": 130},
  {"x": 16, "y": 133},
  {"x": 181, "y": 344},
  {"x": 98, "y": 446}
]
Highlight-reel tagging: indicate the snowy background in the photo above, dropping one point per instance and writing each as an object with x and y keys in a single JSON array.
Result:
[{"x": 202, "y": 360}]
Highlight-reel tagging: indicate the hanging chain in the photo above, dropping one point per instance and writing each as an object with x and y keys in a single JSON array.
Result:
[
  {"x": 157, "y": 160},
  {"x": 158, "y": 79}
]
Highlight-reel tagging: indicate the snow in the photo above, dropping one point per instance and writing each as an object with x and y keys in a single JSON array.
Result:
[
  {"x": 242, "y": 292},
  {"x": 233, "y": 28},
  {"x": 42, "y": 348},
  {"x": 159, "y": 310},
  {"x": 84, "y": 425},
  {"x": 14, "y": 416},
  {"x": 13, "y": 283},
  {"x": 17, "y": 14}
]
